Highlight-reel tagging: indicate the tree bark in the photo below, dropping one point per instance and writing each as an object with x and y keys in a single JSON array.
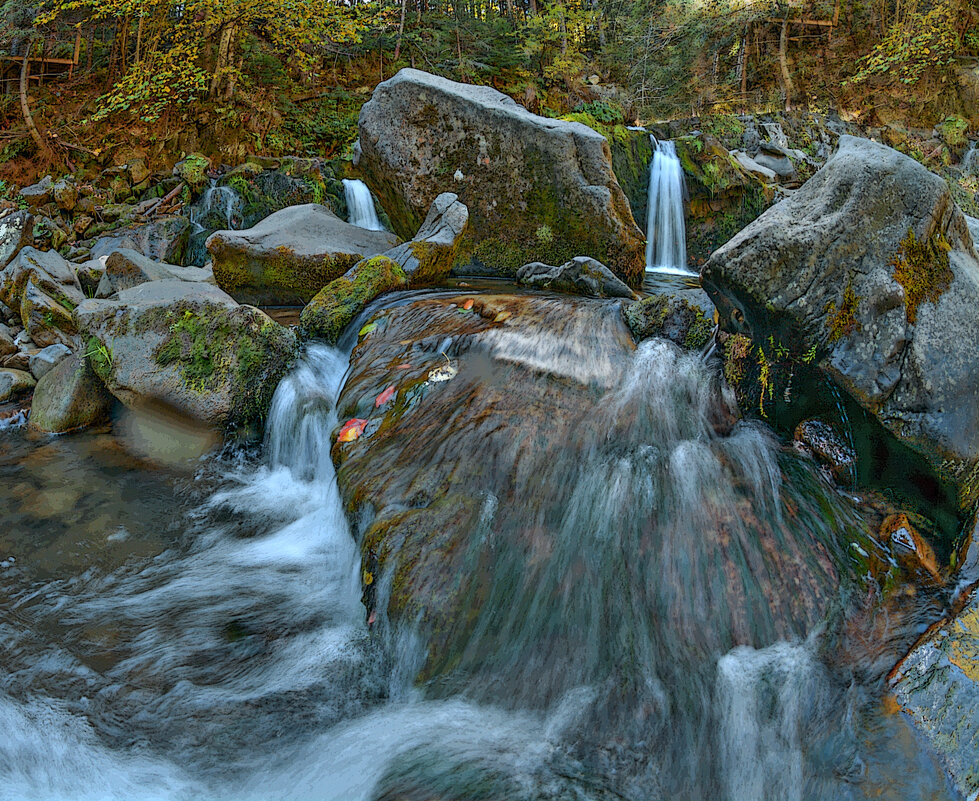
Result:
[
  {"x": 401, "y": 29},
  {"x": 25, "y": 108},
  {"x": 783, "y": 62},
  {"x": 223, "y": 60}
]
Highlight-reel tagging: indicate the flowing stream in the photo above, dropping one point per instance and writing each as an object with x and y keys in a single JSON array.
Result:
[
  {"x": 217, "y": 209},
  {"x": 666, "y": 244},
  {"x": 653, "y": 605},
  {"x": 360, "y": 205}
]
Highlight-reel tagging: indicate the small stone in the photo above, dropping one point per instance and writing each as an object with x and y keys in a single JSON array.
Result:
[
  {"x": 38, "y": 194},
  {"x": 14, "y": 383},
  {"x": 829, "y": 448},
  {"x": 45, "y": 359}
]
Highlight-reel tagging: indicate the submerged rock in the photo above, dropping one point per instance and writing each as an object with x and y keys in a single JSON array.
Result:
[
  {"x": 189, "y": 347},
  {"x": 580, "y": 276},
  {"x": 537, "y": 189},
  {"x": 872, "y": 263},
  {"x": 291, "y": 255},
  {"x": 829, "y": 447},
  {"x": 68, "y": 397}
]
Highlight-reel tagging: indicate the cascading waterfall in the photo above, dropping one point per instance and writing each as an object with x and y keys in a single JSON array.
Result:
[
  {"x": 360, "y": 205},
  {"x": 666, "y": 246},
  {"x": 218, "y": 209}
]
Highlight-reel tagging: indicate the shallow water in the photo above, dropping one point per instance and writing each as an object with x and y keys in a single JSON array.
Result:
[{"x": 196, "y": 631}]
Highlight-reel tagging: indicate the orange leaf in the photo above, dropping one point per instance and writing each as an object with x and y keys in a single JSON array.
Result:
[
  {"x": 384, "y": 397},
  {"x": 468, "y": 304},
  {"x": 351, "y": 430}
]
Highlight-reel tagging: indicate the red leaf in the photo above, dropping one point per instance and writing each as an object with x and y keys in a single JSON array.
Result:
[
  {"x": 384, "y": 397},
  {"x": 351, "y": 430},
  {"x": 468, "y": 304}
]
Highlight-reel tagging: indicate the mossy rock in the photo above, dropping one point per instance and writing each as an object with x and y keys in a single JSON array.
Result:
[
  {"x": 671, "y": 318},
  {"x": 336, "y": 305}
]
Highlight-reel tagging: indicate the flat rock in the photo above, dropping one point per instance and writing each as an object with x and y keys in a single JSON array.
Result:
[{"x": 126, "y": 268}]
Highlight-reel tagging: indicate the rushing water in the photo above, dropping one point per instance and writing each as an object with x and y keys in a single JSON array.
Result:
[
  {"x": 217, "y": 209},
  {"x": 649, "y": 621},
  {"x": 360, "y": 205},
  {"x": 666, "y": 245}
]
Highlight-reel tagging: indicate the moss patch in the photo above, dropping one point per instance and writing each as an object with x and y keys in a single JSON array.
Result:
[
  {"x": 670, "y": 318},
  {"x": 842, "y": 321},
  {"x": 922, "y": 268},
  {"x": 341, "y": 300}
]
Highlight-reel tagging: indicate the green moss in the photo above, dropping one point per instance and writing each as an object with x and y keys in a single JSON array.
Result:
[
  {"x": 953, "y": 130},
  {"x": 199, "y": 342},
  {"x": 99, "y": 357},
  {"x": 842, "y": 321},
  {"x": 671, "y": 318},
  {"x": 922, "y": 268},
  {"x": 335, "y": 306}
]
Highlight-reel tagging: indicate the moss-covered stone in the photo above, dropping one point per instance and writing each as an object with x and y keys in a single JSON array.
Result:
[
  {"x": 193, "y": 170},
  {"x": 922, "y": 269},
  {"x": 341, "y": 300},
  {"x": 669, "y": 317}
]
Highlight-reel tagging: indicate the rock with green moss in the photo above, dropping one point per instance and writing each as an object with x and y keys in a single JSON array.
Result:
[
  {"x": 291, "y": 255},
  {"x": 341, "y": 300},
  {"x": 42, "y": 264},
  {"x": 190, "y": 347},
  {"x": 872, "y": 264},
  {"x": 192, "y": 170},
  {"x": 430, "y": 255},
  {"x": 580, "y": 276},
  {"x": 537, "y": 189},
  {"x": 16, "y": 233},
  {"x": 68, "y": 397},
  {"x": 266, "y": 191},
  {"x": 671, "y": 317},
  {"x": 46, "y": 311}
]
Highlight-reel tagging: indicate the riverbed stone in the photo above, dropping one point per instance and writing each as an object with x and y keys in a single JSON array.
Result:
[
  {"x": 47, "y": 358},
  {"x": 69, "y": 396},
  {"x": 16, "y": 233},
  {"x": 291, "y": 255},
  {"x": 190, "y": 347},
  {"x": 872, "y": 263},
  {"x": 14, "y": 383},
  {"x": 537, "y": 189},
  {"x": 430, "y": 255},
  {"x": 582, "y": 275},
  {"x": 39, "y": 194},
  {"x": 126, "y": 268}
]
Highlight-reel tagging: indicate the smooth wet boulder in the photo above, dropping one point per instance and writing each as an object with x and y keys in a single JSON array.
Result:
[
  {"x": 188, "y": 347},
  {"x": 291, "y": 255},
  {"x": 872, "y": 263},
  {"x": 580, "y": 276},
  {"x": 164, "y": 239},
  {"x": 431, "y": 253},
  {"x": 537, "y": 189},
  {"x": 16, "y": 233},
  {"x": 47, "y": 359},
  {"x": 683, "y": 318},
  {"x": 68, "y": 397},
  {"x": 334, "y": 306},
  {"x": 14, "y": 383},
  {"x": 937, "y": 686},
  {"x": 126, "y": 268}
]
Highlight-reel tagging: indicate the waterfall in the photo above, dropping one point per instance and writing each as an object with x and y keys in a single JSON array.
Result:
[
  {"x": 360, "y": 205},
  {"x": 666, "y": 247},
  {"x": 219, "y": 208}
]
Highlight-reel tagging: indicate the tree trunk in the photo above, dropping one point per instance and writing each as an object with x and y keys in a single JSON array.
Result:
[
  {"x": 223, "y": 60},
  {"x": 783, "y": 62},
  {"x": 25, "y": 69},
  {"x": 401, "y": 29}
]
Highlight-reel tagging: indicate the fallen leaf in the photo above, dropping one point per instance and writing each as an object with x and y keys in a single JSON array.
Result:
[
  {"x": 351, "y": 430},
  {"x": 468, "y": 304},
  {"x": 368, "y": 578},
  {"x": 444, "y": 373},
  {"x": 367, "y": 329},
  {"x": 503, "y": 315},
  {"x": 404, "y": 366},
  {"x": 384, "y": 397}
]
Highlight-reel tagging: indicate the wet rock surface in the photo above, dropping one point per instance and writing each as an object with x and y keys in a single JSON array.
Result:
[{"x": 580, "y": 276}]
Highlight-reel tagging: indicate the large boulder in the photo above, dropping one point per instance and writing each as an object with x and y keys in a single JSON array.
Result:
[
  {"x": 537, "y": 189},
  {"x": 69, "y": 396},
  {"x": 291, "y": 255},
  {"x": 165, "y": 239},
  {"x": 429, "y": 256},
  {"x": 188, "y": 347},
  {"x": 873, "y": 264},
  {"x": 45, "y": 290},
  {"x": 126, "y": 268},
  {"x": 16, "y": 232}
]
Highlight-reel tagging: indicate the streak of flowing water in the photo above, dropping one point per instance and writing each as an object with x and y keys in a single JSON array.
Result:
[
  {"x": 666, "y": 246},
  {"x": 360, "y": 205},
  {"x": 218, "y": 209}
]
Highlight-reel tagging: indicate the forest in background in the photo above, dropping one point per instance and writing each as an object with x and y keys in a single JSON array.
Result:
[{"x": 235, "y": 77}]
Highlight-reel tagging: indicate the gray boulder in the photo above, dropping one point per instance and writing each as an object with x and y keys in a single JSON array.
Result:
[
  {"x": 68, "y": 397},
  {"x": 7, "y": 344},
  {"x": 47, "y": 358},
  {"x": 775, "y": 158},
  {"x": 14, "y": 383},
  {"x": 188, "y": 347},
  {"x": 16, "y": 233},
  {"x": 537, "y": 189},
  {"x": 45, "y": 290},
  {"x": 429, "y": 256},
  {"x": 580, "y": 276},
  {"x": 37, "y": 195},
  {"x": 126, "y": 268},
  {"x": 291, "y": 255},
  {"x": 872, "y": 262},
  {"x": 163, "y": 240},
  {"x": 937, "y": 685}
]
